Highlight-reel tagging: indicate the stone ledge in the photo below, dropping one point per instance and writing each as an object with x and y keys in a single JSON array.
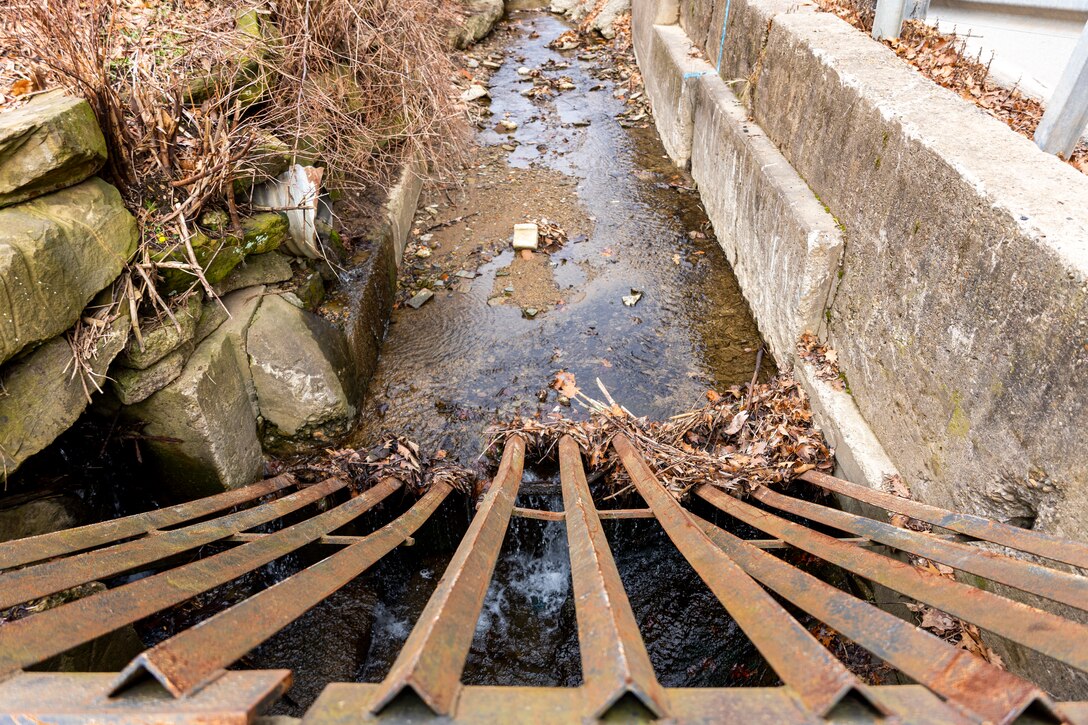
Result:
[
  {"x": 670, "y": 80},
  {"x": 784, "y": 247}
]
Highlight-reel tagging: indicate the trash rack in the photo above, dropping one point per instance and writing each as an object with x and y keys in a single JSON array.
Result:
[{"x": 185, "y": 678}]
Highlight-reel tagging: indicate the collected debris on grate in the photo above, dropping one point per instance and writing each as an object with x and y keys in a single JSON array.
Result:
[
  {"x": 760, "y": 435},
  {"x": 823, "y": 358}
]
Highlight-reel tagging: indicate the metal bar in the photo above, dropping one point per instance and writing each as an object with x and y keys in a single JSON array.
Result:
[
  {"x": 46, "y": 546},
  {"x": 1033, "y": 542},
  {"x": 614, "y": 658},
  {"x": 1066, "y": 115},
  {"x": 888, "y": 19},
  {"x": 986, "y": 693},
  {"x": 80, "y": 697},
  {"x": 39, "y": 580},
  {"x": 820, "y": 681},
  {"x": 1041, "y": 631},
  {"x": 538, "y": 514},
  {"x": 625, "y": 514},
  {"x": 1027, "y": 576},
  {"x": 25, "y": 642},
  {"x": 431, "y": 661},
  {"x": 325, "y": 540},
  {"x": 190, "y": 659}
]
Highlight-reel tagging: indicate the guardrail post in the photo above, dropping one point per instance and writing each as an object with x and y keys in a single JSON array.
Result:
[
  {"x": 888, "y": 20},
  {"x": 916, "y": 9},
  {"x": 1067, "y": 111}
]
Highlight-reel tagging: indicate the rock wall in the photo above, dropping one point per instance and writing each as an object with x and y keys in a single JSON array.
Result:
[{"x": 943, "y": 255}]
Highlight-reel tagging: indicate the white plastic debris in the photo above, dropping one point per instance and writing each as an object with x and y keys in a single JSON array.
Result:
[
  {"x": 297, "y": 191},
  {"x": 526, "y": 236}
]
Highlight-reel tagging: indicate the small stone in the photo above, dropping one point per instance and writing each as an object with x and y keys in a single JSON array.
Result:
[
  {"x": 508, "y": 124},
  {"x": 564, "y": 86},
  {"x": 632, "y": 299},
  {"x": 509, "y": 147},
  {"x": 564, "y": 400},
  {"x": 530, "y": 312},
  {"x": 581, "y": 123},
  {"x": 474, "y": 93},
  {"x": 508, "y": 291},
  {"x": 526, "y": 236},
  {"x": 524, "y": 70},
  {"x": 440, "y": 284},
  {"x": 293, "y": 299},
  {"x": 423, "y": 252},
  {"x": 464, "y": 274},
  {"x": 491, "y": 64},
  {"x": 420, "y": 298},
  {"x": 426, "y": 238},
  {"x": 503, "y": 273},
  {"x": 472, "y": 63}
]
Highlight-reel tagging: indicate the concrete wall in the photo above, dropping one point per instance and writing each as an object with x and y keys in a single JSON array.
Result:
[{"x": 946, "y": 255}]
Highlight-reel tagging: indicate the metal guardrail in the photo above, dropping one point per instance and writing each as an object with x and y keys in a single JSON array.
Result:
[{"x": 184, "y": 678}]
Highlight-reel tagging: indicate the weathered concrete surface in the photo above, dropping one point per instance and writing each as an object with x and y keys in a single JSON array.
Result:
[
  {"x": 56, "y": 253},
  {"x": 209, "y": 411},
  {"x": 400, "y": 208},
  {"x": 782, "y": 244},
  {"x": 962, "y": 318},
  {"x": 50, "y": 143},
  {"x": 302, "y": 373},
  {"x": 671, "y": 76},
  {"x": 42, "y": 396}
]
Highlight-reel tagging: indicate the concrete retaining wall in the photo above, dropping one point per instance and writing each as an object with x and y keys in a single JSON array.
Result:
[{"x": 944, "y": 254}]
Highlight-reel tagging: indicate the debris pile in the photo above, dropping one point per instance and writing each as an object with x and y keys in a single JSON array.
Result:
[
  {"x": 822, "y": 358},
  {"x": 395, "y": 457},
  {"x": 762, "y": 434}
]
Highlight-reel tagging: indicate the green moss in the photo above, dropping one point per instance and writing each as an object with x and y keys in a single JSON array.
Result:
[
  {"x": 958, "y": 425},
  {"x": 877, "y": 162}
]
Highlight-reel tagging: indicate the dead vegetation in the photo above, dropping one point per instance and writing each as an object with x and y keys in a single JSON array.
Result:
[
  {"x": 943, "y": 58},
  {"x": 194, "y": 96},
  {"x": 762, "y": 434}
]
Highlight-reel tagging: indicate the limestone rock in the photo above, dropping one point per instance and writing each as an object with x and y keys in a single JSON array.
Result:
[
  {"x": 209, "y": 410},
  {"x": 481, "y": 16},
  {"x": 604, "y": 21},
  {"x": 51, "y": 143},
  {"x": 41, "y": 398},
  {"x": 267, "y": 268},
  {"x": 301, "y": 371},
  {"x": 133, "y": 386},
  {"x": 211, "y": 317},
  {"x": 56, "y": 253},
  {"x": 163, "y": 338}
]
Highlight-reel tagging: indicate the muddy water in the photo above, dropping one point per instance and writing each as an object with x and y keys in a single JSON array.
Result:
[{"x": 450, "y": 367}]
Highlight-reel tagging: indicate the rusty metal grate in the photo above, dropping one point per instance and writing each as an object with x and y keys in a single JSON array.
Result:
[{"x": 184, "y": 678}]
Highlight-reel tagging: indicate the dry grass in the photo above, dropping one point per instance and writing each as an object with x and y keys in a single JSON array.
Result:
[{"x": 360, "y": 85}]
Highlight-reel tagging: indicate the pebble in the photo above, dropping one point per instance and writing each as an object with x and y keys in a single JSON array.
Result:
[
  {"x": 581, "y": 123},
  {"x": 474, "y": 93},
  {"x": 530, "y": 312},
  {"x": 508, "y": 290},
  {"x": 509, "y": 147},
  {"x": 423, "y": 252},
  {"x": 426, "y": 237},
  {"x": 472, "y": 63},
  {"x": 524, "y": 71},
  {"x": 420, "y": 298},
  {"x": 465, "y": 274},
  {"x": 567, "y": 86},
  {"x": 508, "y": 124},
  {"x": 491, "y": 64}
]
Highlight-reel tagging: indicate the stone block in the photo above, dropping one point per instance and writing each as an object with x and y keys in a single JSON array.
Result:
[
  {"x": 56, "y": 253},
  {"x": 206, "y": 420},
  {"x": 670, "y": 83},
  {"x": 42, "y": 398},
  {"x": 50, "y": 143},
  {"x": 267, "y": 268},
  {"x": 302, "y": 373},
  {"x": 163, "y": 337}
]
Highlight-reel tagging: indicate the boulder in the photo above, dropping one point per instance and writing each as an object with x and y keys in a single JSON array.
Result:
[
  {"x": 261, "y": 233},
  {"x": 604, "y": 21},
  {"x": 258, "y": 269},
  {"x": 56, "y": 253},
  {"x": 480, "y": 18},
  {"x": 205, "y": 421},
  {"x": 42, "y": 397},
  {"x": 164, "y": 337},
  {"x": 32, "y": 515},
  {"x": 302, "y": 374},
  {"x": 50, "y": 143}
]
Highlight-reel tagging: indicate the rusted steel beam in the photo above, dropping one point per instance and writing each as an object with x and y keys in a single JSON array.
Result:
[
  {"x": 538, "y": 514},
  {"x": 337, "y": 540},
  {"x": 431, "y": 661},
  {"x": 614, "y": 658},
  {"x": 1047, "y": 633},
  {"x": 57, "y": 575},
  {"x": 1033, "y": 542},
  {"x": 1027, "y": 576},
  {"x": 237, "y": 698},
  {"x": 984, "y": 692},
  {"x": 190, "y": 659},
  {"x": 25, "y": 642},
  {"x": 625, "y": 514},
  {"x": 804, "y": 665},
  {"x": 45, "y": 546}
]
